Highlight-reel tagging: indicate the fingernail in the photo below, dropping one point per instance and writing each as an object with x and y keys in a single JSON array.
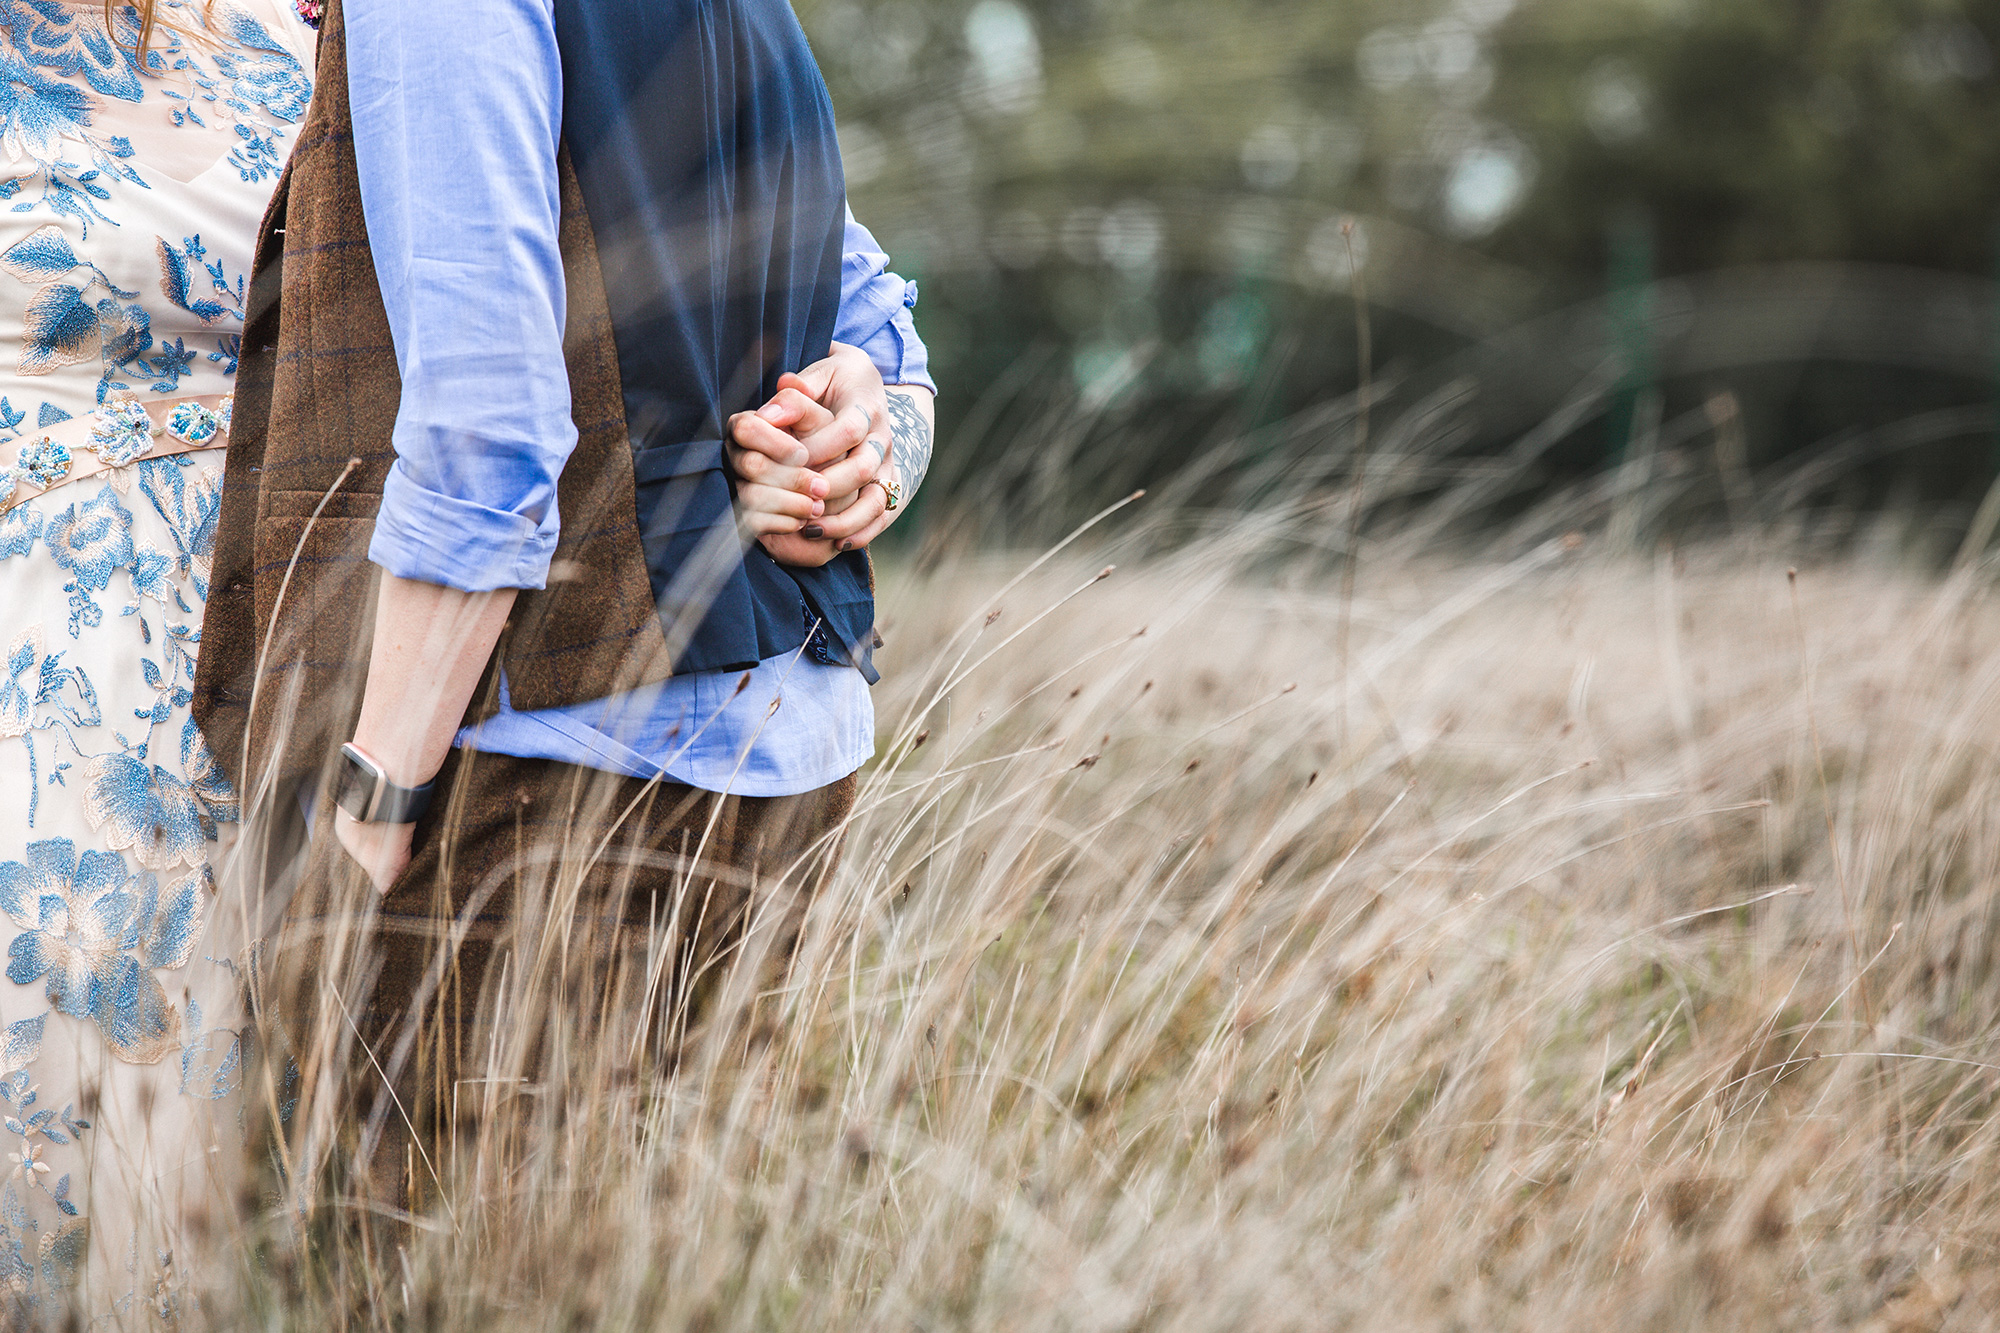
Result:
[
  {"x": 847, "y": 545},
  {"x": 770, "y": 411},
  {"x": 812, "y": 531},
  {"x": 819, "y": 508}
]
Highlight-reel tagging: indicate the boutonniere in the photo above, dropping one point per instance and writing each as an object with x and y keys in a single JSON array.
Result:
[{"x": 312, "y": 11}]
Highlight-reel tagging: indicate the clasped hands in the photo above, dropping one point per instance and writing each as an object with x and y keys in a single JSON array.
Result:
[
  {"x": 806, "y": 465},
  {"x": 812, "y": 465}
]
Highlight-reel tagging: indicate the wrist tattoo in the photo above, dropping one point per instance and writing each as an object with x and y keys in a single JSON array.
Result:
[{"x": 911, "y": 446}]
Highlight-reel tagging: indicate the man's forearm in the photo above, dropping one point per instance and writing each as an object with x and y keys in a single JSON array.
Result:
[
  {"x": 912, "y": 424},
  {"x": 431, "y": 647}
]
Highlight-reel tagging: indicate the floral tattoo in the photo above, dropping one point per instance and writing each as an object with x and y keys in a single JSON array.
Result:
[{"x": 911, "y": 446}]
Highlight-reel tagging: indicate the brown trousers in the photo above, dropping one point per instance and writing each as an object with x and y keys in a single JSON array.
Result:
[{"x": 547, "y": 903}]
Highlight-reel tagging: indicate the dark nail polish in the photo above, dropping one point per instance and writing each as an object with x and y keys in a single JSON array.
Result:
[
  {"x": 812, "y": 530},
  {"x": 847, "y": 546}
]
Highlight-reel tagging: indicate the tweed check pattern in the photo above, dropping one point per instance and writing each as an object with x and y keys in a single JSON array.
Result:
[{"x": 316, "y": 406}]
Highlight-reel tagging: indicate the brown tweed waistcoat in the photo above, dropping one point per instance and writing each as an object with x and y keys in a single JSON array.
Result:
[{"x": 286, "y": 634}]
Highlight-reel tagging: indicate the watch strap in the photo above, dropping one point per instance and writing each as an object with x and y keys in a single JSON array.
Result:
[
  {"x": 363, "y": 791},
  {"x": 401, "y": 805}
]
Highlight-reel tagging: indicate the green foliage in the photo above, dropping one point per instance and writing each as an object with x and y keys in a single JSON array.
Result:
[{"x": 1151, "y": 193}]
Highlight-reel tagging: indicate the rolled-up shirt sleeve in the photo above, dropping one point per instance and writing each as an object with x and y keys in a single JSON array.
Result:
[
  {"x": 457, "y": 112},
  {"x": 875, "y": 311}
]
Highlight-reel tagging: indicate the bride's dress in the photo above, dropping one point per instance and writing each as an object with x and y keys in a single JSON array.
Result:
[{"x": 129, "y": 204}]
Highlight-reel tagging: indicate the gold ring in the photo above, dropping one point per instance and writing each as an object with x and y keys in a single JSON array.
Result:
[{"x": 892, "y": 492}]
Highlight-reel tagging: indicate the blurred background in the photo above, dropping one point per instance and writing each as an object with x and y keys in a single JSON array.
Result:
[{"x": 1740, "y": 251}]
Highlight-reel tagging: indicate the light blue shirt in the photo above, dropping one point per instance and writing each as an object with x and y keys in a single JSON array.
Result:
[{"x": 458, "y": 183}]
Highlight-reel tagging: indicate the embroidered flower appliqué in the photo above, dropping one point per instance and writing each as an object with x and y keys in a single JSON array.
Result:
[
  {"x": 122, "y": 432},
  {"x": 45, "y": 461},
  {"x": 193, "y": 423}
]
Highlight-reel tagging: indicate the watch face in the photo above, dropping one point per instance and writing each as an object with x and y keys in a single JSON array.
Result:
[{"x": 355, "y": 784}]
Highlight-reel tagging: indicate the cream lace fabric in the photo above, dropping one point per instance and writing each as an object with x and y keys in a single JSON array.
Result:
[{"x": 129, "y": 202}]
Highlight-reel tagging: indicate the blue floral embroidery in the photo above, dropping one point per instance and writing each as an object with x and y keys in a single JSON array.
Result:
[
  {"x": 127, "y": 332},
  {"x": 178, "y": 651},
  {"x": 61, "y": 326},
  {"x": 18, "y": 530},
  {"x": 174, "y": 361},
  {"x": 60, "y": 330},
  {"x": 192, "y": 509},
  {"x": 20, "y": 1096},
  {"x": 66, "y": 320},
  {"x": 153, "y": 576},
  {"x": 178, "y": 283},
  {"x": 37, "y": 112},
  {"x": 39, "y": 118},
  {"x": 168, "y": 693},
  {"x": 95, "y": 931},
  {"x": 43, "y": 255},
  {"x": 36, "y": 677},
  {"x": 211, "y": 1060},
  {"x": 257, "y": 157},
  {"x": 177, "y": 267},
  {"x": 72, "y": 41},
  {"x": 205, "y": 775},
  {"x": 150, "y": 813},
  {"x": 253, "y": 75},
  {"x": 268, "y": 76},
  {"x": 91, "y": 541},
  {"x": 60, "y": 1250},
  {"x": 21, "y": 690},
  {"x": 37, "y": 1127}
]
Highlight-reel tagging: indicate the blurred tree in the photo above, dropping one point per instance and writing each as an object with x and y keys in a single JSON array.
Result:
[{"x": 1143, "y": 198}]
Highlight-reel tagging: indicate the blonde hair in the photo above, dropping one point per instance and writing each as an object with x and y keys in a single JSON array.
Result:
[{"x": 148, "y": 21}]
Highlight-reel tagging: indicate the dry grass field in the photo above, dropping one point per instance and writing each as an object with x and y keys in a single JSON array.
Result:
[{"x": 1557, "y": 939}]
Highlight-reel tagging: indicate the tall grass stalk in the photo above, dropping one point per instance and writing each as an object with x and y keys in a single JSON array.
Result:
[{"x": 1495, "y": 978}]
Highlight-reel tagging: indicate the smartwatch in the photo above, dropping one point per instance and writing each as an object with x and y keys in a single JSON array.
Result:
[{"x": 360, "y": 789}]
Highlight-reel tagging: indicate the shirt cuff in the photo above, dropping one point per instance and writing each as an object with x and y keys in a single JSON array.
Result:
[
  {"x": 912, "y": 357},
  {"x": 435, "y": 538}
]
